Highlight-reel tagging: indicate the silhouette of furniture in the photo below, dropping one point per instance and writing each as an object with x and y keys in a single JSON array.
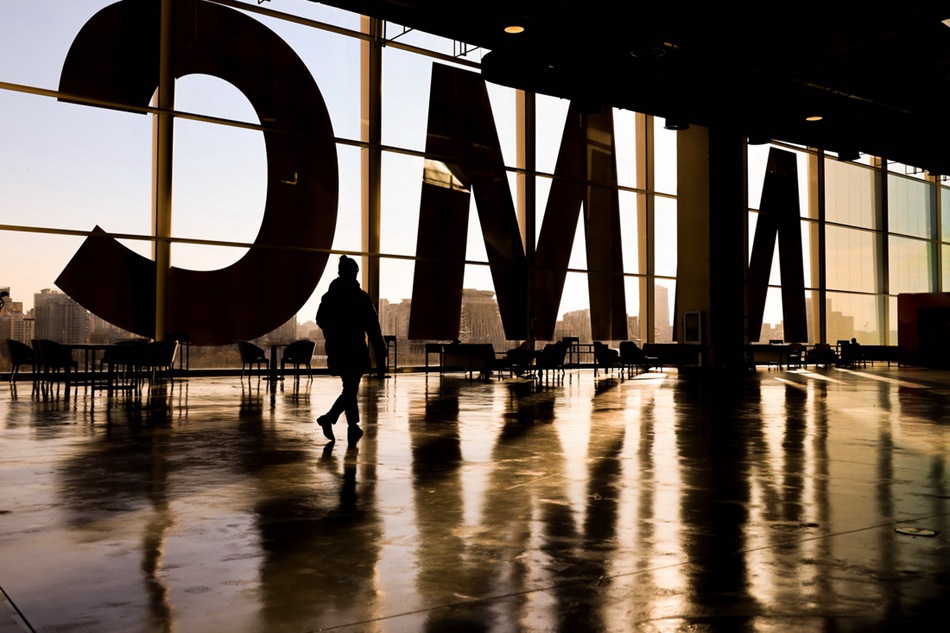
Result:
[
  {"x": 605, "y": 357},
  {"x": 21, "y": 354},
  {"x": 632, "y": 357},
  {"x": 551, "y": 359},
  {"x": 517, "y": 360},
  {"x": 155, "y": 360},
  {"x": 298, "y": 353},
  {"x": 773, "y": 354},
  {"x": 821, "y": 354},
  {"x": 252, "y": 355},
  {"x": 571, "y": 343},
  {"x": 433, "y": 348},
  {"x": 469, "y": 357},
  {"x": 850, "y": 354},
  {"x": 123, "y": 362},
  {"x": 795, "y": 355},
  {"x": 54, "y": 358},
  {"x": 675, "y": 354}
]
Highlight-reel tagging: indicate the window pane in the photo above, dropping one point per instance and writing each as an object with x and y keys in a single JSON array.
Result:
[
  {"x": 665, "y": 294},
  {"x": 892, "y": 316},
  {"x": 665, "y": 237},
  {"x": 664, "y": 158},
  {"x": 628, "y": 227},
  {"x": 407, "y": 79},
  {"x": 850, "y": 194},
  {"x": 35, "y": 36},
  {"x": 633, "y": 287},
  {"x": 945, "y": 266},
  {"x": 550, "y": 114},
  {"x": 401, "y": 195},
  {"x": 909, "y": 265},
  {"x": 851, "y": 260},
  {"x": 853, "y": 316},
  {"x": 625, "y": 144},
  {"x": 945, "y": 214},
  {"x": 910, "y": 205},
  {"x": 71, "y": 166}
]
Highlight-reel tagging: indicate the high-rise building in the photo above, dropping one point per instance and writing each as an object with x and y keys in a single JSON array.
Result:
[
  {"x": 59, "y": 318},
  {"x": 663, "y": 328}
]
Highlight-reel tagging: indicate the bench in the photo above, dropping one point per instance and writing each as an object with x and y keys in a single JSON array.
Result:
[{"x": 675, "y": 354}]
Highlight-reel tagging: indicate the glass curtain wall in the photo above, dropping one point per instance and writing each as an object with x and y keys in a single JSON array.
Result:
[{"x": 69, "y": 165}]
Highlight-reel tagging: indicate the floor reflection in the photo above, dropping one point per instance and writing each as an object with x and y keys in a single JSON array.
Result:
[{"x": 587, "y": 503}]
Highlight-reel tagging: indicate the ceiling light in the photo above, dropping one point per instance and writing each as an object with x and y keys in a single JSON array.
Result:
[
  {"x": 514, "y": 28},
  {"x": 814, "y": 117},
  {"x": 946, "y": 22},
  {"x": 675, "y": 124}
]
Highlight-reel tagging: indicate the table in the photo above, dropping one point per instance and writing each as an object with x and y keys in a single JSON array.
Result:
[
  {"x": 89, "y": 351},
  {"x": 273, "y": 370}
]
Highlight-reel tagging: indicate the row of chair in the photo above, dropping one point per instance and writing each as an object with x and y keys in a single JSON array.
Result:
[
  {"x": 299, "y": 353},
  {"x": 627, "y": 357},
  {"x": 130, "y": 364},
  {"x": 46, "y": 358}
]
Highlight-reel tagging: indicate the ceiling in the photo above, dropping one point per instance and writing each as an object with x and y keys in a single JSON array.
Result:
[{"x": 878, "y": 75}]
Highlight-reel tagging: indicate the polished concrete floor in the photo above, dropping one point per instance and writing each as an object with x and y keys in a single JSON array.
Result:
[{"x": 779, "y": 501}]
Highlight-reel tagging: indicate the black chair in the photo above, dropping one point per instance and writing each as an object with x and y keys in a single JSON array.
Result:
[
  {"x": 605, "y": 357},
  {"x": 298, "y": 353},
  {"x": 634, "y": 358},
  {"x": 252, "y": 355},
  {"x": 54, "y": 358},
  {"x": 153, "y": 360},
  {"x": 551, "y": 359},
  {"x": 21, "y": 354},
  {"x": 795, "y": 356}
]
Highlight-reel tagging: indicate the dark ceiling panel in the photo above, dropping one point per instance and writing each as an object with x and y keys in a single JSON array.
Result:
[{"x": 878, "y": 74}]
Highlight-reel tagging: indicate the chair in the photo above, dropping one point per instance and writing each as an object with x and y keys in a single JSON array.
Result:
[
  {"x": 21, "y": 354},
  {"x": 251, "y": 355},
  {"x": 821, "y": 354},
  {"x": 298, "y": 353},
  {"x": 632, "y": 357},
  {"x": 605, "y": 357},
  {"x": 155, "y": 359},
  {"x": 551, "y": 358},
  {"x": 54, "y": 357},
  {"x": 795, "y": 356}
]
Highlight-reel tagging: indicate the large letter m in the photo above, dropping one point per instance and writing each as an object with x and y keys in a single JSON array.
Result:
[{"x": 463, "y": 156}]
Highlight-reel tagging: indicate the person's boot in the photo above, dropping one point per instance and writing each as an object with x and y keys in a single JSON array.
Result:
[{"x": 327, "y": 427}]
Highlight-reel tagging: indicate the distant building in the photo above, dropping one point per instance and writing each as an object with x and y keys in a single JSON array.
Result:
[
  {"x": 59, "y": 318},
  {"x": 663, "y": 330},
  {"x": 481, "y": 320},
  {"x": 13, "y": 323}
]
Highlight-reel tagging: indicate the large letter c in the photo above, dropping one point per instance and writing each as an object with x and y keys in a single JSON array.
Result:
[{"x": 114, "y": 58}]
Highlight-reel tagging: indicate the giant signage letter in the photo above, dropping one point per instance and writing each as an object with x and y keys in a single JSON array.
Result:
[
  {"x": 114, "y": 59},
  {"x": 779, "y": 214},
  {"x": 585, "y": 175},
  {"x": 464, "y": 157},
  {"x": 464, "y": 154}
]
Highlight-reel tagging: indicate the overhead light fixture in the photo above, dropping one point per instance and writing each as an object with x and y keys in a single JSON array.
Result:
[
  {"x": 514, "y": 28},
  {"x": 946, "y": 22},
  {"x": 814, "y": 117},
  {"x": 675, "y": 124}
]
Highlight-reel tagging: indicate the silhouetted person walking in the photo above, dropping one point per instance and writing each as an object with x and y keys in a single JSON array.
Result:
[{"x": 347, "y": 316}]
